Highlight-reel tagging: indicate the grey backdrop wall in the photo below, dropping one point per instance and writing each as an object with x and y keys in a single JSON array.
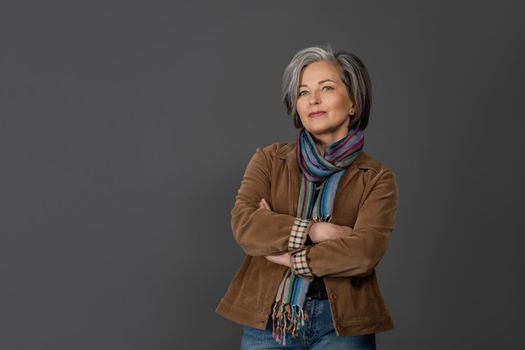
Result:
[{"x": 125, "y": 128}]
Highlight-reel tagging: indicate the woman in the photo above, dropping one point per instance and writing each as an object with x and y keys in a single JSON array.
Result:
[{"x": 313, "y": 218}]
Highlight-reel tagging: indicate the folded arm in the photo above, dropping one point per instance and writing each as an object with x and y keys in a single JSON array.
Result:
[
  {"x": 357, "y": 254},
  {"x": 258, "y": 230}
]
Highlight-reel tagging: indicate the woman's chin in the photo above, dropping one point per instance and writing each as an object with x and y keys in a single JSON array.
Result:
[{"x": 317, "y": 129}]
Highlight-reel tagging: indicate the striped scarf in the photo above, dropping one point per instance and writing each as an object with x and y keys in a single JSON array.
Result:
[{"x": 288, "y": 315}]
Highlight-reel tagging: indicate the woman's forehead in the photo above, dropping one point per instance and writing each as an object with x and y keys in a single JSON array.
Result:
[{"x": 319, "y": 72}]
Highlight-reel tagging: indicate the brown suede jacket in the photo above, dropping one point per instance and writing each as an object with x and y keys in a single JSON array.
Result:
[{"x": 366, "y": 200}]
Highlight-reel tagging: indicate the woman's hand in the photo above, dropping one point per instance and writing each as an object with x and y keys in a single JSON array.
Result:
[
  {"x": 283, "y": 259},
  {"x": 326, "y": 231}
]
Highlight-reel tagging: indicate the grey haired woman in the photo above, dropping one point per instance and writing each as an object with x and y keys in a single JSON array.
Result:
[{"x": 314, "y": 218}]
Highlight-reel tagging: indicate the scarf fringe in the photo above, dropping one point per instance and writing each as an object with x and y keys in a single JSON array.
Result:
[{"x": 287, "y": 318}]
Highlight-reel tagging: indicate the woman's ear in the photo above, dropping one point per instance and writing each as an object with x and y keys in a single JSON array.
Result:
[{"x": 351, "y": 111}]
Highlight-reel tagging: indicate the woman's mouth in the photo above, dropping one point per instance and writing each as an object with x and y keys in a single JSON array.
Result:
[{"x": 316, "y": 114}]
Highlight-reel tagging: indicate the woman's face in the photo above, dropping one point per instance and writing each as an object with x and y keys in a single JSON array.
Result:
[{"x": 322, "y": 90}]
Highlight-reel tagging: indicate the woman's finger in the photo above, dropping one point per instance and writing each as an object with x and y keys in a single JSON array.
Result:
[{"x": 266, "y": 205}]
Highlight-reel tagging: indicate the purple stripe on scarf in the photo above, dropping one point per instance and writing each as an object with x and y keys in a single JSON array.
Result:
[
  {"x": 334, "y": 153},
  {"x": 341, "y": 143},
  {"x": 354, "y": 148}
]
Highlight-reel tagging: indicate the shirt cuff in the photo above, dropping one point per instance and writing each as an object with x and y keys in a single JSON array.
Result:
[
  {"x": 299, "y": 233},
  {"x": 300, "y": 264}
]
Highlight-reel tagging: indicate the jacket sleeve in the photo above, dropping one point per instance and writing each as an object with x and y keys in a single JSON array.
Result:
[
  {"x": 259, "y": 231},
  {"x": 359, "y": 253}
]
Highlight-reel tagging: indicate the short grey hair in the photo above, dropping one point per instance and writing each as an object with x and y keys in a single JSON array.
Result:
[{"x": 353, "y": 74}]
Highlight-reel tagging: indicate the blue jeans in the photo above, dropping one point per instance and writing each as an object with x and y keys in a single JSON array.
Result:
[{"x": 318, "y": 333}]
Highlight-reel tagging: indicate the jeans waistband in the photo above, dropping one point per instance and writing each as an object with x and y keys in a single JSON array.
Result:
[{"x": 317, "y": 294}]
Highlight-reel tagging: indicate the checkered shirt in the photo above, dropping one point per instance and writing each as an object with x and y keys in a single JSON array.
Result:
[
  {"x": 300, "y": 264},
  {"x": 296, "y": 246},
  {"x": 298, "y": 234}
]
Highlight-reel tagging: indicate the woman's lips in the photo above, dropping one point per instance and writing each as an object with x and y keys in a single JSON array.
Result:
[{"x": 316, "y": 114}]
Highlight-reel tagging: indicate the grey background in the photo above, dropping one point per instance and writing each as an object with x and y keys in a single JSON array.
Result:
[{"x": 126, "y": 126}]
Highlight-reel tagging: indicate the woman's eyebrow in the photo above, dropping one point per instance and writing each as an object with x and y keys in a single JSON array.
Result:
[{"x": 320, "y": 82}]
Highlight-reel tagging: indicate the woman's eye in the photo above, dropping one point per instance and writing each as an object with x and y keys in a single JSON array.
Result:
[
  {"x": 329, "y": 87},
  {"x": 301, "y": 93}
]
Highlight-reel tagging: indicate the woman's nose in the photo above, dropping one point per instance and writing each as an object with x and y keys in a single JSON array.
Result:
[{"x": 314, "y": 98}]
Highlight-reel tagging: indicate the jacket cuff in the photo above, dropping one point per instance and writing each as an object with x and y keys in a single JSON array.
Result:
[
  {"x": 299, "y": 233},
  {"x": 300, "y": 264}
]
